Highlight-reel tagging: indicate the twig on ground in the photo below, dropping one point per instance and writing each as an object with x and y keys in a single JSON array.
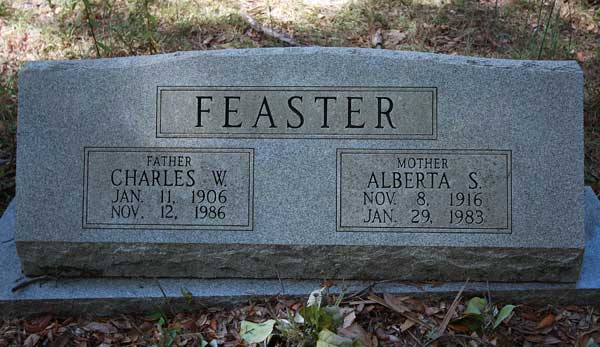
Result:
[
  {"x": 167, "y": 299},
  {"x": 489, "y": 293},
  {"x": 268, "y": 31},
  {"x": 450, "y": 312},
  {"x": 361, "y": 302},
  {"x": 414, "y": 338},
  {"x": 281, "y": 283},
  {"x": 366, "y": 290}
]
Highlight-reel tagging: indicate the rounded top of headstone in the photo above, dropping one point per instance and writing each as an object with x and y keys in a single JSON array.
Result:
[{"x": 367, "y": 53}]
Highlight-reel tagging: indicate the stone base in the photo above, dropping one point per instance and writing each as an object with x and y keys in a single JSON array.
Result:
[
  {"x": 372, "y": 263},
  {"x": 105, "y": 296}
]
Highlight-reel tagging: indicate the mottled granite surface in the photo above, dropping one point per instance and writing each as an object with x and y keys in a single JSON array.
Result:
[{"x": 532, "y": 109}]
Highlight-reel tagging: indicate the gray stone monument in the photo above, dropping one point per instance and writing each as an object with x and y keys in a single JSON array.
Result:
[{"x": 302, "y": 163}]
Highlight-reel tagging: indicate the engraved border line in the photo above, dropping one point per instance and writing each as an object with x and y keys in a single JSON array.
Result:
[
  {"x": 340, "y": 151},
  {"x": 248, "y": 227},
  {"x": 400, "y": 136}
]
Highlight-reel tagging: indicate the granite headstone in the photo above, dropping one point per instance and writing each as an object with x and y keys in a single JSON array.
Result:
[{"x": 301, "y": 163}]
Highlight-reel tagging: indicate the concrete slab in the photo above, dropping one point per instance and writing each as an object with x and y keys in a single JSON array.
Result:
[
  {"x": 105, "y": 296},
  {"x": 590, "y": 269}
]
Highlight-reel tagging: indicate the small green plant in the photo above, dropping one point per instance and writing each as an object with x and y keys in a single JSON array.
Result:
[
  {"x": 150, "y": 25},
  {"x": 138, "y": 30},
  {"x": 317, "y": 317},
  {"x": 187, "y": 295},
  {"x": 3, "y": 9},
  {"x": 92, "y": 24},
  {"x": 168, "y": 336},
  {"x": 312, "y": 325},
  {"x": 480, "y": 315},
  {"x": 545, "y": 41},
  {"x": 256, "y": 332},
  {"x": 8, "y": 131},
  {"x": 328, "y": 339}
]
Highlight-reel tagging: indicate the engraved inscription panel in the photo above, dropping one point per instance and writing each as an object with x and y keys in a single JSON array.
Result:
[
  {"x": 424, "y": 190},
  {"x": 297, "y": 112},
  {"x": 168, "y": 188}
]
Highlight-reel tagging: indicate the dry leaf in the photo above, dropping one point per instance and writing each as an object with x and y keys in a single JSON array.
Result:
[
  {"x": 213, "y": 324},
  {"x": 459, "y": 328},
  {"x": 534, "y": 338},
  {"x": 395, "y": 303},
  {"x": 574, "y": 308},
  {"x": 529, "y": 316},
  {"x": 188, "y": 325},
  {"x": 201, "y": 321},
  {"x": 551, "y": 340},
  {"x": 31, "y": 340},
  {"x": 147, "y": 327},
  {"x": 395, "y": 37},
  {"x": 62, "y": 340},
  {"x": 100, "y": 327},
  {"x": 349, "y": 319},
  {"x": 123, "y": 324},
  {"x": 38, "y": 324},
  {"x": 403, "y": 310},
  {"x": 407, "y": 325},
  {"x": 381, "y": 334},
  {"x": 356, "y": 331},
  {"x": 207, "y": 40},
  {"x": 546, "y": 322},
  {"x": 430, "y": 311}
]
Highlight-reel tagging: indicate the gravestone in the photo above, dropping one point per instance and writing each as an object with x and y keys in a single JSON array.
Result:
[{"x": 301, "y": 163}]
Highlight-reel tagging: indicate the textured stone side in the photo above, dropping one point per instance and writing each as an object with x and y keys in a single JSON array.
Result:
[{"x": 301, "y": 262}]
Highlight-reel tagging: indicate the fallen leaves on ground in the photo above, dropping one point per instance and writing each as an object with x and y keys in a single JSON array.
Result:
[{"x": 374, "y": 320}]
